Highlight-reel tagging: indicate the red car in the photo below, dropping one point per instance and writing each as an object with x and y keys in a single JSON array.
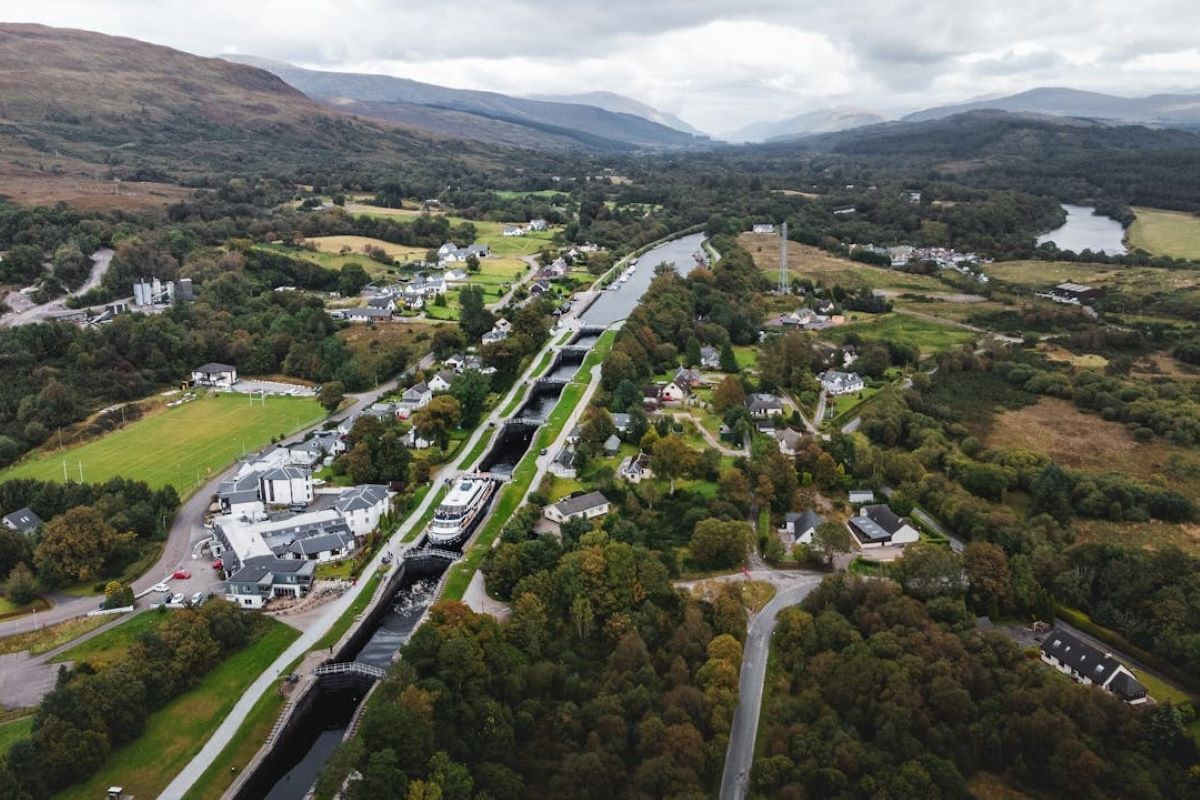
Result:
[
  {"x": 218, "y": 565},
  {"x": 181, "y": 574}
]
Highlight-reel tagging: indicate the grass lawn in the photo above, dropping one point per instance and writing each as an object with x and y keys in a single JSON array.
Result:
[
  {"x": 1166, "y": 233},
  {"x": 477, "y": 450},
  {"x": 1134, "y": 280},
  {"x": 563, "y": 487},
  {"x": 844, "y": 403},
  {"x": 596, "y": 355},
  {"x": 253, "y": 731},
  {"x": 747, "y": 356},
  {"x": 928, "y": 336},
  {"x": 101, "y": 651},
  {"x": 176, "y": 732},
  {"x": 335, "y": 570},
  {"x": 13, "y": 732},
  {"x": 491, "y": 234},
  {"x": 543, "y": 363},
  {"x": 181, "y": 446},
  {"x": 43, "y": 640}
]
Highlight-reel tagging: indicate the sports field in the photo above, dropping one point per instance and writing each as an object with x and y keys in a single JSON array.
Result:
[
  {"x": 181, "y": 446},
  {"x": 1166, "y": 233}
]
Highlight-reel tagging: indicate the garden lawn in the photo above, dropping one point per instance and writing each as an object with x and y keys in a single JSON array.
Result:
[
  {"x": 182, "y": 446},
  {"x": 844, "y": 403},
  {"x": 1165, "y": 233},
  {"x": 176, "y": 732}
]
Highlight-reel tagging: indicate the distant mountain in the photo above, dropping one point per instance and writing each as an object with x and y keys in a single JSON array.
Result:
[
  {"x": 145, "y": 112},
  {"x": 822, "y": 120},
  {"x": 620, "y": 104},
  {"x": 484, "y": 116},
  {"x": 1167, "y": 110}
]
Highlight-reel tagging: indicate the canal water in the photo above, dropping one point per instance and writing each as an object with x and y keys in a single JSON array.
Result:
[
  {"x": 1085, "y": 230},
  {"x": 615, "y": 304}
]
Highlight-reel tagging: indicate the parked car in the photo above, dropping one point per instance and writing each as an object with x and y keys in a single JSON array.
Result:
[
  {"x": 198, "y": 598},
  {"x": 161, "y": 587},
  {"x": 177, "y": 598},
  {"x": 181, "y": 574},
  {"x": 218, "y": 564}
]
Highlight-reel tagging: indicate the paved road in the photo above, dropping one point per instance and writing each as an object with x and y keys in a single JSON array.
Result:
[
  {"x": 739, "y": 758},
  {"x": 101, "y": 260}
]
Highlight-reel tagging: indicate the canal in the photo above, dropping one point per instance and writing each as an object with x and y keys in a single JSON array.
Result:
[{"x": 296, "y": 760}]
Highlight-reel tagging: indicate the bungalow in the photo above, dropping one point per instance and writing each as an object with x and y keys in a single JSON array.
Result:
[
  {"x": 539, "y": 287},
  {"x": 264, "y": 577},
  {"x": 839, "y": 383},
  {"x": 710, "y": 357},
  {"x": 419, "y": 394},
  {"x": 635, "y": 469},
  {"x": 690, "y": 377},
  {"x": 23, "y": 520},
  {"x": 764, "y": 227},
  {"x": 789, "y": 441},
  {"x": 675, "y": 392},
  {"x": 760, "y": 404},
  {"x": 800, "y": 526},
  {"x": 803, "y": 318},
  {"x": 455, "y": 362},
  {"x": 385, "y": 301},
  {"x": 367, "y": 314},
  {"x": 219, "y": 376},
  {"x": 584, "y": 506},
  {"x": 860, "y": 497},
  {"x": 877, "y": 525},
  {"x": 286, "y": 486},
  {"x": 454, "y": 276},
  {"x": 1091, "y": 666},
  {"x": 362, "y": 507},
  {"x": 381, "y": 411},
  {"x": 538, "y": 224},
  {"x": 564, "y": 464},
  {"x": 621, "y": 422},
  {"x": 493, "y": 336},
  {"x": 416, "y": 441},
  {"x": 441, "y": 381},
  {"x": 512, "y": 230}
]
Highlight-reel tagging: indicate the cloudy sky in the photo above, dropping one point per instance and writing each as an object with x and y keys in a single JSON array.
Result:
[{"x": 718, "y": 65}]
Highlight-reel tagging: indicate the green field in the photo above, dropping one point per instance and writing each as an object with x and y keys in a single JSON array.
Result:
[
  {"x": 177, "y": 731},
  {"x": 927, "y": 335},
  {"x": 182, "y": 446},
  {"x": 544, "y": 194},
  {"x": 104, "y": 649},
  {"x": 1134, "y": 280},
  {"x": 13, "y": 732},
  {"x": 1165, "y": 233}
]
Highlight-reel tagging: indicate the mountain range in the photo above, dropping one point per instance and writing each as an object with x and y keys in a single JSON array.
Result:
[
  {"x": 620, "y": 104},
  {"x": 481, "y": 116},
  {"x": 822, "y": 120}
]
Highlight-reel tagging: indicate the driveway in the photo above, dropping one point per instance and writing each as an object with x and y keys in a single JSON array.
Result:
[
  {"x": 28, "y": 313},
  {"x": 739, "y": 758}
]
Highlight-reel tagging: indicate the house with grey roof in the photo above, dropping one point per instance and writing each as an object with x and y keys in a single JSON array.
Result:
[
  {"x": 799, "y": 526},
  {"x": 564, "y": 463},
  {"x": 761, "y": 404},
  {"x": 635, "y": 469},
  {"x": 263, "y": 578},
  {"x": 215, "y": 375},
  {"x": 839, "y": 383},
  {"x": 362, "y": 506},
  {"x": 710, "y": 357},
  {"x": 23, "y": 520},
  {"x": 286, "y": 486},
  {"x": 789, "y": 441},
  {"x": 612, "y": 444},
  {"x": 584, "y": 506},
  {"x": 240, "y": 495},
  {"x": 1091, "y": 666},
  {"x": 621, "y": 422},
  {"x": 877, "y": 525},
  {"x": 441, "y": 381},
  {"x": 367, "y": 314}
]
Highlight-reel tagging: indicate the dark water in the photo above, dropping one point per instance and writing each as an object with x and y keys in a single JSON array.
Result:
[
  {"x": 296, "y": 783},
  {"x": 399, "y": 623},
  {"x": 564, "y": 370},
  {"x": 510, "y": 445},
  {"x": 585, "y": 340},
  {"x": 616, "y": 305},
  {"x": 324, "y": 727}
]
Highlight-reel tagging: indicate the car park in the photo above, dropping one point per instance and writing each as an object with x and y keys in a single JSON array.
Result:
[
  {"x": 182, "y": 574},
  {"x": 161, "y": 587},
  {"x": 177, "y": 598},
  {"x": 198, "y": 598}
]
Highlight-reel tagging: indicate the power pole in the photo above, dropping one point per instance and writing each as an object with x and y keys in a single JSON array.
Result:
[{"x": 783, "y": 258}]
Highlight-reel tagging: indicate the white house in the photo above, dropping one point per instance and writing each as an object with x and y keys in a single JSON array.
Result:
[
  {"x": 367, "y": 314},
  {"x": 419, "y": 394},
  {"x": 416, "y": 441},
  {"x": 585, "y": 506},
  {"x": 441, "y": 381},
  {"x": 23, "y": 520},
  {"x": 512, "y": 230},
  {"x": 538, "y": 224},
  {"x": 764, "y": 227},
  {"x": 635, "y": 469},
  {"x": 219, "y": 376},
  {"x": 362, "y": 506},
  {"x": 264, "y": 577},
  {"x": 675, "y": 392},
  {"x": 839, "y": 383},
  {"x": 878, "y": 525},
  {"x": 1090, "y": 666},
  {"x": 710, "y": 357},
  {"x": 761, "y": 404},
  {"x": 564, "y": 464},
  {"x": 494, "y": 336},
  {"x": 799, "y": 527},
  {"x": 789, "y": 441},
  {"x": 286, "y": 486}
]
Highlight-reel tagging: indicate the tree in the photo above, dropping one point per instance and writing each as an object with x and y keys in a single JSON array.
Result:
[
  {"x": 447, "y": 340},
  {"x": 692, "y": 352},
  {"x": 987, "y": 571},
  {"x": 437, "y": 418},
  {"x": 75, "y": 545},
  {"x": 351, "y": 280},
  {"x": 728, "y": 394},
  {"x": 472, "y": 263},
  {"x": 929, "y": 570},
  {"x": 728, "y": 361},
  {"x": 474, "y": 318},
  {"x": 671, "y": 457},
  {"x": 626, "y": 396},
  {"x": 471, "y": 389},
  {"x": 831, "y": 538},
  {"x": 331, "y": 394},
  {"x": 617, "y": 367},
  {"x": 717, "y": 543},
  {"x": 21, "y": 586}
]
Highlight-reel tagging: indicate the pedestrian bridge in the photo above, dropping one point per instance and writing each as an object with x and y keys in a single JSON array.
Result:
[{"x": 350, "y": 668}]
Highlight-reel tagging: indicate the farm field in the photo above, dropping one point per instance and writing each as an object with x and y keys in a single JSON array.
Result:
[
  {"x": 178, "y": 730},
  {"x": 805, "y": 261},
  {"x": 181, "y": 446},
  {"x": 927, "y": 335},
  {"x": 954, "y": 312},
  {"x": 1135, "y": 280},
  {"x": 1165, "y": 233},
  {"x": 336, "y": 244}
]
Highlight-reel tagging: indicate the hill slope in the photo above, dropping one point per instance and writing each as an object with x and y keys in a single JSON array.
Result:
[
  {"x": 546, "y": 123},
  {"x": 620, "y": 104},
  {"x": 1171, "y": 110},
  {"x": 87, "y": 105},
  {"x": 822, "y": 120}
]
